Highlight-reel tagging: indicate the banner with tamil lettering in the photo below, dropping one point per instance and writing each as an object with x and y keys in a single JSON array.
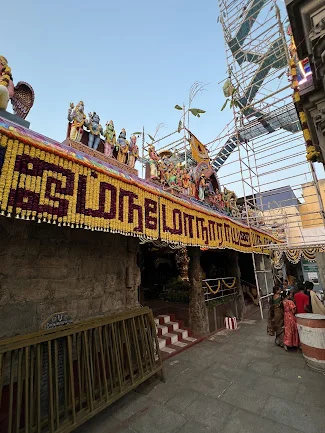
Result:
[
  {"x": 192, "y": 225},
  {"x": 45, "y": 183}
]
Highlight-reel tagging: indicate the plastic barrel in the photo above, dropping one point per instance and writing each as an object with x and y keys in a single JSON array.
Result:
[{"x": 311, "y": 328}]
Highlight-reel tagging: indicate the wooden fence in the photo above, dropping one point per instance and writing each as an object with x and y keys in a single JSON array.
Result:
[{"x": 53, "y": 381}]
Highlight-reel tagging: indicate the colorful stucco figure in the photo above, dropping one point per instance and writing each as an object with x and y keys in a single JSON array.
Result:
[
  {"x": 21, "y": 95},
  {"x": 133, "y": 151},
  {"x": 123, "y": 147},
  {"x": 95, "y": 129},
  {"x": 77, "y": 117},
  {"x": 110, "y": 138}
]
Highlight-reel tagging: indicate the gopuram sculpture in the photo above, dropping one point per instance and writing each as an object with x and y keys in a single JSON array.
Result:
[
  {"x": 95, "y": 129},
  {"x": 87, "y": 135},
  {"x": 21, "y": 95},
  {"x": 153, "y": 162},
  {"x": 122, "y": 147},
  {"x": 77, "y": 118},
  {"x": 198, "y": 181},
  {"x": 110, "y": 139},
  {"x": 133, "y": 151}
]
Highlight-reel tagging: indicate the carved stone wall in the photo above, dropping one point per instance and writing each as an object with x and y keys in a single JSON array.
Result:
[{"x": 46, "y": 269}]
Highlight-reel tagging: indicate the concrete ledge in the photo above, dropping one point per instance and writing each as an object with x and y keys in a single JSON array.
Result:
[{"x": 15, "y": 119}]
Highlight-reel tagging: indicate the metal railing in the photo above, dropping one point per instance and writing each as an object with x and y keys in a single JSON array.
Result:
[
  {"x": 53, "y": 381},
  {"x": 219, "y": 288}
]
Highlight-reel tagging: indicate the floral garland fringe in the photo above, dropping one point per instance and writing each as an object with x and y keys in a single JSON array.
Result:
[
  {"x": 45, "y": 184},
  {"x": 294, "y": 256},
  {"x": 229, "y": 286}
]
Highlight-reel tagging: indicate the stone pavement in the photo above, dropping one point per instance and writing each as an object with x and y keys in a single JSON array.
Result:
[{"x": 234, "y": 382}]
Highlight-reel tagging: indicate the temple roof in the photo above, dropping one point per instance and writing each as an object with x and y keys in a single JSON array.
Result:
[{"x": 30, "y": 137}]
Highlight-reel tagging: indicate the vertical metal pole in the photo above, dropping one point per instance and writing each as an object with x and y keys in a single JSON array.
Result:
[
  {"x": 143, "y": 152},
  {"x": 184, "y": 138}
]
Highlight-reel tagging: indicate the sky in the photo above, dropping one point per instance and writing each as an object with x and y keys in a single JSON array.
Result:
[{"x": 128, "y": 61}]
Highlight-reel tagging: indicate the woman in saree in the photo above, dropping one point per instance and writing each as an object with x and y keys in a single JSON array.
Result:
[
  {"x": 291, "y": 337},
  {"x": 276, "y": 318}
]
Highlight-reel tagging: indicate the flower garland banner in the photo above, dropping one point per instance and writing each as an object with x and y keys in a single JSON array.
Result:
[
  {"x": 194, "y": 226},
  {"x": 40, "y": 185},
  {"x": 44, "y": 183}
]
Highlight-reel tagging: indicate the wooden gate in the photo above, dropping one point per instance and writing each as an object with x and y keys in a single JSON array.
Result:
[{"x": 53, "y": 381}]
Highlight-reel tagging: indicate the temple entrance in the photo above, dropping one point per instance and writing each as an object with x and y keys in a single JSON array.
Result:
[
  {"x": 164, "y": 281},
  {"x": 248, "y": 282}
]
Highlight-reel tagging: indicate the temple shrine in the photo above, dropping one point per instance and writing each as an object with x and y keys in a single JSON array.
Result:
[{"x": 86, "y": 242}]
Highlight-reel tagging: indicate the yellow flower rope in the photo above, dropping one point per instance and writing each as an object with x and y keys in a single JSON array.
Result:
[
  {"x": 230, "y": 286},
  {"x": 210, "y": 288}
]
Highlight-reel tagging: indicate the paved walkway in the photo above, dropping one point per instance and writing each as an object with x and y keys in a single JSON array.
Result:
[{"x": 235, "y": 382}]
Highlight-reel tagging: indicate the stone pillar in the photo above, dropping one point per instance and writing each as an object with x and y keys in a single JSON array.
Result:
[
  {"x": 264, "y": 273},
  {"x": 198, "y": 316},
  {"x": 234, "y": 271},
  {"x": 320, "y": 260}
]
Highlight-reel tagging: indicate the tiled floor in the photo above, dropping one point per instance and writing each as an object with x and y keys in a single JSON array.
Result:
[{"x": 235, "y": 382}]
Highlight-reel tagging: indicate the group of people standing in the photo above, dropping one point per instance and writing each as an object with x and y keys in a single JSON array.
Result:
[{"x": 285, "y": 303}]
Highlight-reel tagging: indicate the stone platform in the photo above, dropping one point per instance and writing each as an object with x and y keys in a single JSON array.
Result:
[{"x": 13, "y": 118}]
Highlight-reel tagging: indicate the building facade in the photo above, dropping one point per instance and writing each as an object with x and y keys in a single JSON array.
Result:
[{"x": 307, "y": 19}]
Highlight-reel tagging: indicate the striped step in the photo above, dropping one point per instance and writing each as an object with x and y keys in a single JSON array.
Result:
[
  {"x": 182, "y": 333},
  {"x": 162, "y": 329},
  {"x": 172, "y": 336},
  {"x": 162, "y": 343},
  {"x": 163, "y": 319}
]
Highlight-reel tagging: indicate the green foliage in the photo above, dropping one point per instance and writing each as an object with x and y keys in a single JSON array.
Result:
[
  {"x": 175, "y": 290},
  {"x": 225, "y": 104},
  {"x": 151, "y": 137},
  {"x": 196, "y": 111}
]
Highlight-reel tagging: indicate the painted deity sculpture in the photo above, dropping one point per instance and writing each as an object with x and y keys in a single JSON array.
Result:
[
  {"x": 7, "y": 89},
  {"x": 171, "y": 174},
  {"x": 122, "y": 146},
  {"x": 202, "y": 186},
  {"x": 153, "y": 163},
  {"x": 186, "y": 182},
  {"x": 133, "y": 151},
  {"x": 162, "y": 170},
  {"x": 179, "y": 176},
  {"x": 77, "y": 118},
  {"x": 21, "y": 95},
  {"x": 192, "y": 183},
  {"x": 110, "y": 138},
  {"x": 95, "y": 129}
]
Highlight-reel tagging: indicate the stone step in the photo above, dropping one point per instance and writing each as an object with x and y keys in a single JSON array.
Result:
[
  {"x": 162, "y": 329},
  {"x": 172, "y": 326},
  {"x": 183, "y": 333},
  {"x": 163, "y": 319},
  {"x": 170, "y": 338},
  {"x": 162, "y": 343},
  {"x": 173, "y": 337}
]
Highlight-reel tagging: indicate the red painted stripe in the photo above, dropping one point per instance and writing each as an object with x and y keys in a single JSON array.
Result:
[
  {"x": 313, "y": 352},
  {"x": 311, "y": 323}
]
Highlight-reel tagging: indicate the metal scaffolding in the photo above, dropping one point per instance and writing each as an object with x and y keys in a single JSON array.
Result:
[{"x": 261, "y": 153}]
